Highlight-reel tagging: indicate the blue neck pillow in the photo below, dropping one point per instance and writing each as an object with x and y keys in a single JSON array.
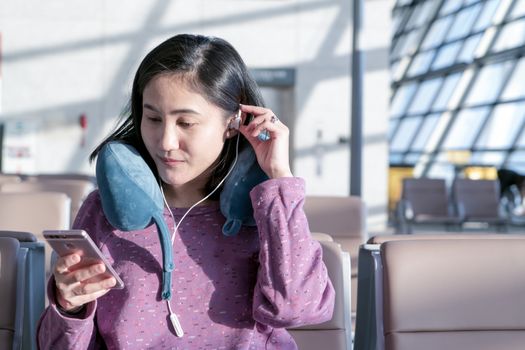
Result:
[
  {"x": 235, "y": 202},
  {"x": 132, "y": 200}
]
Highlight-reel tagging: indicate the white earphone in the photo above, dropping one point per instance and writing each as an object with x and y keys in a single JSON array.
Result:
[
  {"x": 235, "y": 123},
  {"x": 173, "y": 317}
]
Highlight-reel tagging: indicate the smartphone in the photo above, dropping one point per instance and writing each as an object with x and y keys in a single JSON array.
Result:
[{"x": 65, "y": 242}]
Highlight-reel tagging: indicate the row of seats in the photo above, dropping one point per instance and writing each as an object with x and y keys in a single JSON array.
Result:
[
  {"x": 413, "y": 291},
  {"x": 22, "y": 273},
  {"x": 458, "y": 292},
  {"x": 427, "y": 202},
  {"x": 75, "y": 186}
]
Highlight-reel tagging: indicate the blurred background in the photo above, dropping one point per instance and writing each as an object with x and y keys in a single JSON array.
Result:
[{"x": 373, "y": 90}]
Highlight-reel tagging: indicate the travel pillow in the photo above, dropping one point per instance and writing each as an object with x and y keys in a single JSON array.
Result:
[
  {"x": 235, "y": 202},
  {"x": 132, "y": 200}
]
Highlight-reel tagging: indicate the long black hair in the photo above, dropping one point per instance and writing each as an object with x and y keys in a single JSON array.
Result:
[{"x": 213, "y": 68}]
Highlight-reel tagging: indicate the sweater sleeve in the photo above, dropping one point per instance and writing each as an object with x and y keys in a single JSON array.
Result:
[
  {"x": 56, "y": 330},
  {"x": 293, "y": 287}
]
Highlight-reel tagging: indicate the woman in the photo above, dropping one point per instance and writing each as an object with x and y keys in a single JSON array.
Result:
[{"x": 228, "y": 292}]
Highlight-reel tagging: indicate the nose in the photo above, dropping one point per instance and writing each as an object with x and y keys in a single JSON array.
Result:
[{"x": 169, "y": 138}]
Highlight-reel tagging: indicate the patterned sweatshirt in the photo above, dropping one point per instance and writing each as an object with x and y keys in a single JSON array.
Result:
[{"x": 235, "y": 292}]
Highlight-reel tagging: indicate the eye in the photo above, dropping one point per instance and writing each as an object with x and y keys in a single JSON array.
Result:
[
  {"x": 185, "y": 124},
  {"x": 153, "y": 119}
]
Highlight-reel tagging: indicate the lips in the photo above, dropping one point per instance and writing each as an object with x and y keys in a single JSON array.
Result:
[{"x": 170, "y": 161}]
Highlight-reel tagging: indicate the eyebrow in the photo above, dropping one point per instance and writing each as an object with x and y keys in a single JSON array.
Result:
[{"x": 175, "y": 111}]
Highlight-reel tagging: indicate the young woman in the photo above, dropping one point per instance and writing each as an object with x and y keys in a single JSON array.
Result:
[{"x": 237, "y": 292}]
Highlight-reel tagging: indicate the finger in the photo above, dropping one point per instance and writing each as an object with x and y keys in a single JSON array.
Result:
[
  {"x": 88, "y": 288},
  {"x": 266, "y": 125},
  {"x": 88, "y": 272},
  {"x": 255, "y": 110},
  {"x": 80, "y": 300},
  {"x": 65, "y": 262},
  {"x": 260, "y": 120}
]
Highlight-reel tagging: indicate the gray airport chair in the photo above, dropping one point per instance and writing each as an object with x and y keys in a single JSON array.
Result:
[
  {"x": 425, "y": 203},
  {"x": 441, "y": 292},
  {"x": 335, "y": 334},
  {"x": 345, "y": 220},
  {"x": 35, "y": 284},
  {"x": 479, "y": 201},
  {"x": 12, "y": 287}
]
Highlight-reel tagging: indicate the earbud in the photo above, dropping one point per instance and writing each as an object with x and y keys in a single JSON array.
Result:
[{"x": 235, "y": 123}]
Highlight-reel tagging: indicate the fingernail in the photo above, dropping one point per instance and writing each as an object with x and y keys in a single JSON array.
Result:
[{"x": 75, "y": 258}]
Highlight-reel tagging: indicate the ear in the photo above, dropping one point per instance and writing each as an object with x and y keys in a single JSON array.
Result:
[{"x": 231, "y": 133}]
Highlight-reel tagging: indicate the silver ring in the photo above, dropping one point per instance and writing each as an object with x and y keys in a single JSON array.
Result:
[{"x": 274, "y": 119}]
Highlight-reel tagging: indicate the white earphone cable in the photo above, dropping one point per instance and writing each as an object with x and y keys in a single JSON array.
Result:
[{"x": 173, "y": 317}]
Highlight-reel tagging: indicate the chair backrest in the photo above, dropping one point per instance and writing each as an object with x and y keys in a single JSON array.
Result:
[
  {"x": 345, "y": 219},
  {"x": 341, "y": 216},
  {"x": 9, "y": 178},
  {"x": 440, "y": 278},
  {"x": 12, "y": 280},
  {"x": 64, "y": 176},
  {"x": 454, "y": 294},
  {"x": 35, "y": 282},
  {"x": 426, "y": 196},
  {"x": 477, "y": 198},
  {"x": 34, "y": 212},
  {"x": 319, "y": 236},
  {"x": 76, "y": 189},
  {"x": 335, "y": 334}
]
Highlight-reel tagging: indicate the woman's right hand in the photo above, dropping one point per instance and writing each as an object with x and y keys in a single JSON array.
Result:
[{"x": 78, "y": 286}]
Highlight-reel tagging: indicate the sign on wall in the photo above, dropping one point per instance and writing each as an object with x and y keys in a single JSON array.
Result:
[{"x": 19, "y": 147}]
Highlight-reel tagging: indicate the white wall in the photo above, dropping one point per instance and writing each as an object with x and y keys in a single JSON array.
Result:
[
  {"x": 65, "y": 58},
  {"x": 375, "y": 42}
]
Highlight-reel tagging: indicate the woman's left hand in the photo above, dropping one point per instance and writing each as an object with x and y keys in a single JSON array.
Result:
[{"x": 272, "y": 154}]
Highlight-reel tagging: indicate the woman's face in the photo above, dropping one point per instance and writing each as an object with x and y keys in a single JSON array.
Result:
[{"x": 182, "y": 131}]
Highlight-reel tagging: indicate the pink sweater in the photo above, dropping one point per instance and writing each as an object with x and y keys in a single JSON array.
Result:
[{"x": 229, "y": 292}]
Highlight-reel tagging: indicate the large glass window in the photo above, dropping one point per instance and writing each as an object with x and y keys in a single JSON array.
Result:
[
  {"x": 469, "y": 48},
  {"x": 518, "y": 10},
  {"x": 421, "y": 63},
  {"x": 447, "y": 55},
  {"x": 488, "y": 84},
  {"x": 512, "y": 35},
  {"x": 405, "y": 134},
  {"x": 436, "y": 33},
  {"x": 465, "y": 128},
  {"x": 449, "y": 7},
  {"x": 488, "y": 158},
  {"x": 463, "y": 22},
  {"x": 516, "y": 162},
  {"x": 402, "y": 99},
  {"x": 424, "y": 97},
  {"x": 485, "y": 18},
  {"x": 516, "y": 86},
  {"x": 502, "y": 126},
  {"x": 425, "y": 132},
  {"x": 468, "y": 56},
  {"x": 446, "y": 92},
  {"x": 521, "y": 140}
]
